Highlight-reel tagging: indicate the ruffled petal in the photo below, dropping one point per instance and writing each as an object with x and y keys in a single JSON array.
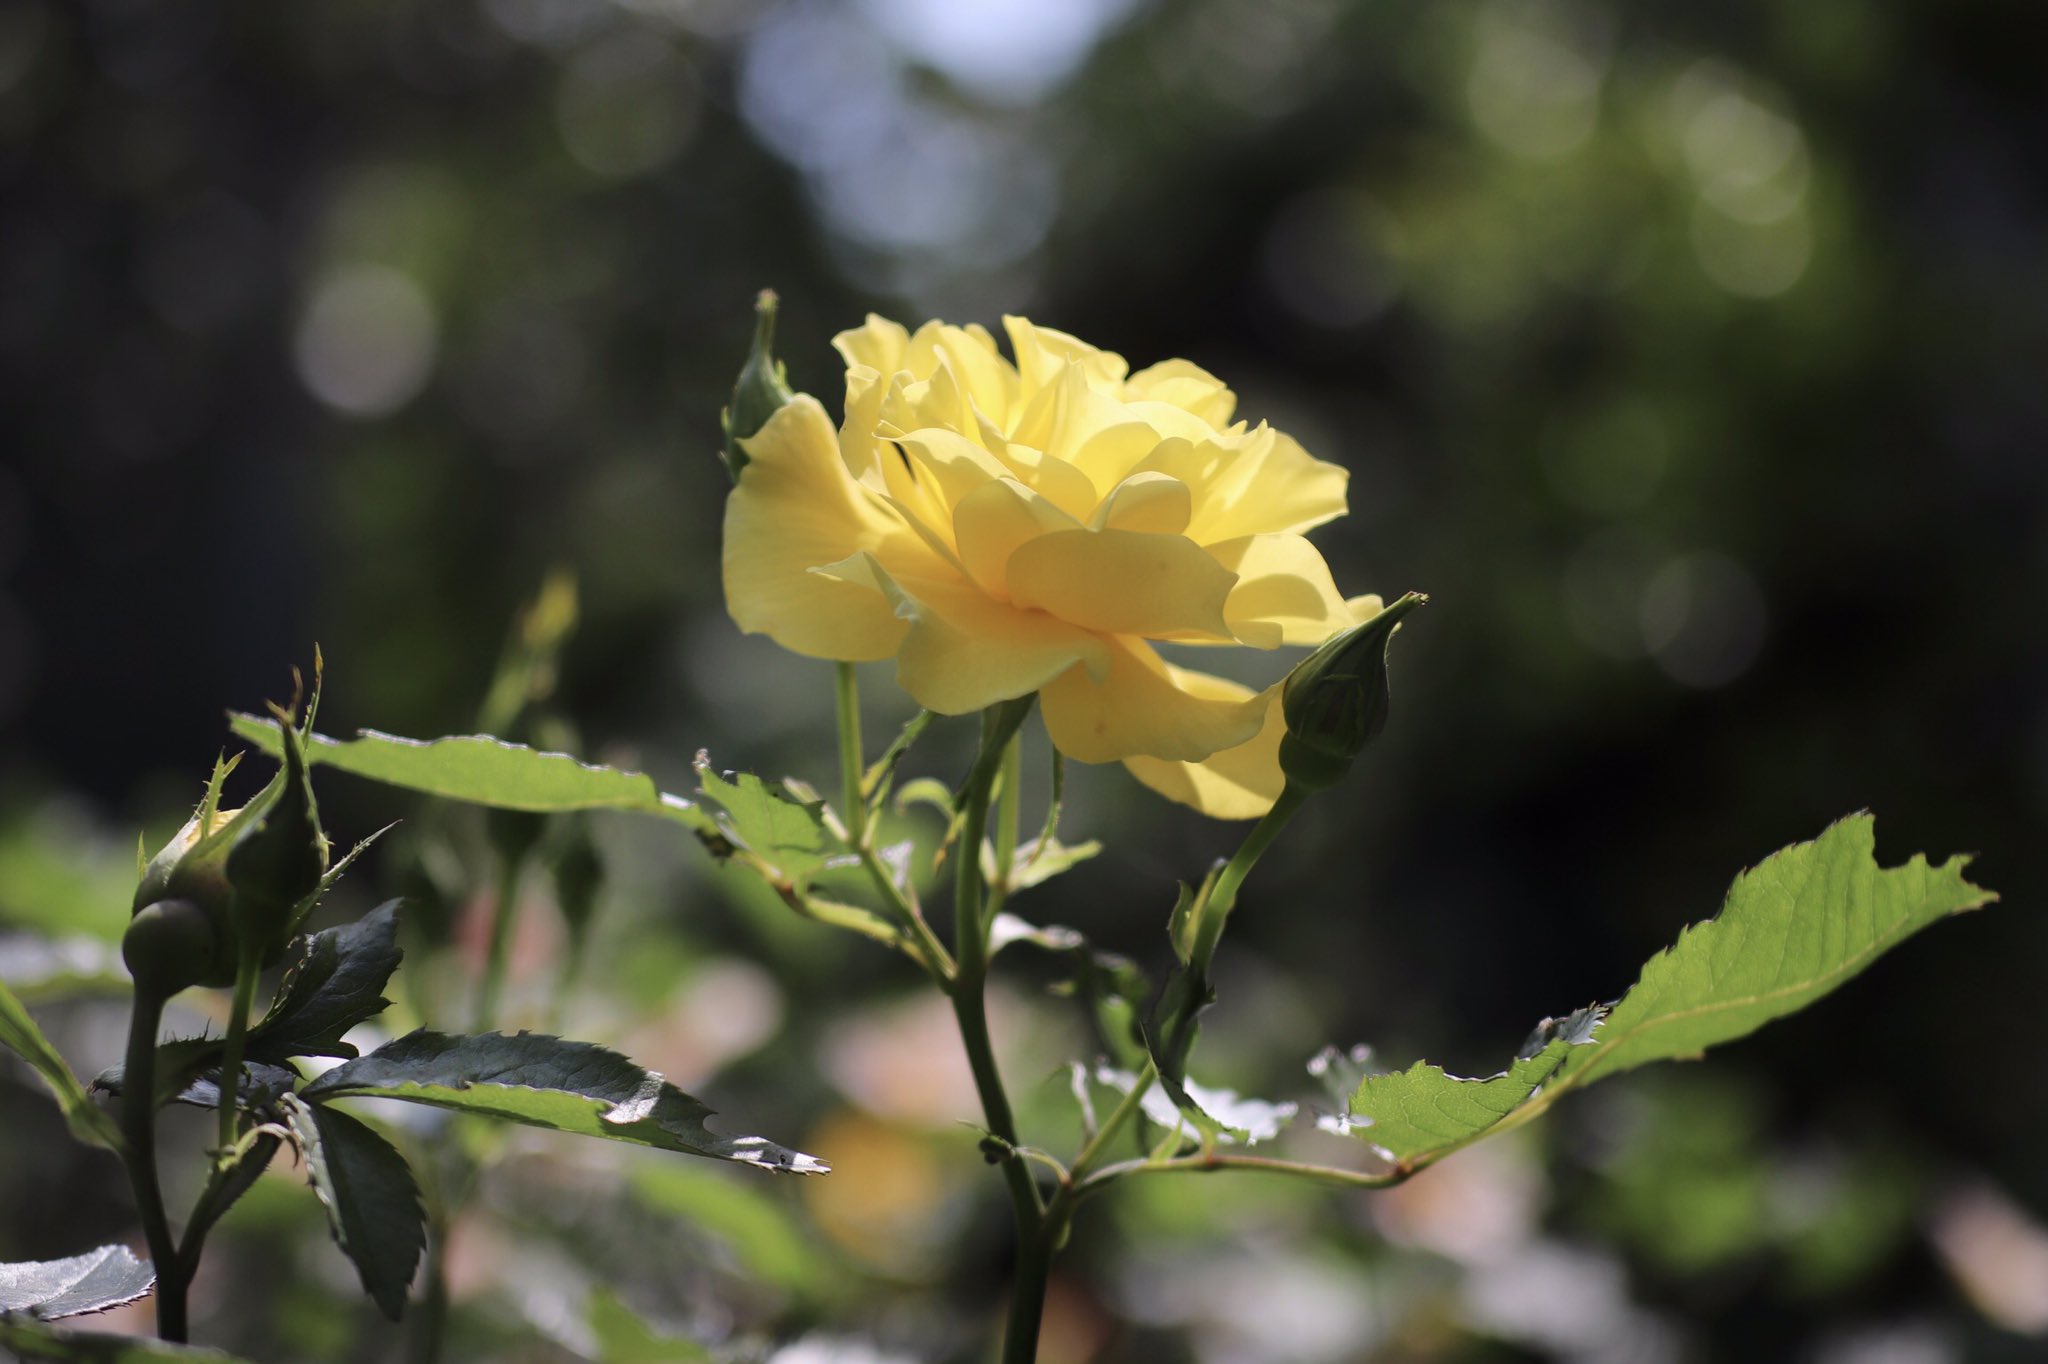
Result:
[
  {"x": 1184, "y": 385},
  {"x": 1123, "y": 582},
  {"x": 1237, "y": 783},
  {"x": 965, "y": 651},
  {"x": 1144, "y": 706},
  {"x": 993, "y": 521},
  {"x": 796, "y": 507},
  {"x": 1284, "y": 592}
]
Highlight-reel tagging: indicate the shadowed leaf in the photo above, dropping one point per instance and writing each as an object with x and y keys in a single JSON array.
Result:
[
  {"x": 336, "y": 982},
  {"x": 29, "y": 1339},
  {"x": 373, "y": 1205},
  {"x": 547, "y": 1082}
]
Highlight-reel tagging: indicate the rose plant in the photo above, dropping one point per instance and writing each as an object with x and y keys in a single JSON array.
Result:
[{"x": 1016, "y": 533}]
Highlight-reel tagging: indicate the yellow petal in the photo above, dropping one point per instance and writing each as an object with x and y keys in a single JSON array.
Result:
[
  {"x": 1042, "y": 354},
  {"x": 993, "y": 521},
  {"x": 1186, "y": 386},
  {"x": 1156, "y": 503},
  {"x": 878, "y": 344},
  {"x": 1284, "y": 592},
  {"x": 1272, "y": 485},
  {"x": 1237, "y": 783},
  {"x": 966, "y": 651},
  {"x": 796, "y": 507},
  {"x": 1143, "y": 706},
  {"x": 956, "y": 464},
  {"x": 866, "y": 387},
  {"x": 1123, "y": 582}
]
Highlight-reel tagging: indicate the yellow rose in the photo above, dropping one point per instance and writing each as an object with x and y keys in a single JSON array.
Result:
[{"x": 1000, "y": 529}]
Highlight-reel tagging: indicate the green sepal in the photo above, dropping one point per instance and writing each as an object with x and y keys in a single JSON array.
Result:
[{"x": 762, "y": 390}]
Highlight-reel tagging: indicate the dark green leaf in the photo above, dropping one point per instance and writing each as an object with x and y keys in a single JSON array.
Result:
[
  {"x": 107, "y": 1277},
  {"x": 32, "y": 1340},
  {"x": 336, "y": 982},
  {"x": 223, "y": 1187},
  {"x": 19, "y": 1033},
  {"x": 1802, "y": 922},
  {"x": 547, "y": 1082},
  {"x": 373, "y": 1206},
  {"x": 482, "y": 771}
]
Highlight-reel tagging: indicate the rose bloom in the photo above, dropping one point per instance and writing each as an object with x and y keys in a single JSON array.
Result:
[{"x": 1000, "y": 529}]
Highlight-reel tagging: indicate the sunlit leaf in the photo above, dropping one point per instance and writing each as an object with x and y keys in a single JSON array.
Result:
[
  {"x": 782, "y": 829},
  {"x": 547, "y": 1082},
  {"x": 335, "y": 981},
  {"x": 110, "y": 1276},
  {"x": 482, "y": 771},
  {"x": 1799, "y": 924},
  {"x": 373, "y": 1205},
  {"x": 19, "y": 1033}
]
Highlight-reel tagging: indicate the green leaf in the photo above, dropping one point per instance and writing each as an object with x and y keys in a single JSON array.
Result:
[
  {"x": 373, "y": 1205},
  {"x": 547, "y": 1082},
  {"x": 32, "y": 1340},
  {"x": 335, "y": 982},
  {"x": 1799, "y": 924},
  {"x": 19, "y": 1033},
  {"x": 93, "y": 1282},
  {"x": 482, "y": 771},
  {"x": 622, "y": 1338},
  {"x": 1041, "y": 861},
  {"x": 782, "y": 832}
]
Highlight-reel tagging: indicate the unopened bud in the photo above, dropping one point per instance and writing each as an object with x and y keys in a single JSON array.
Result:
[
  {"x": 1335, "y": 702},
  {"x": 171, "y": 944},
  {"x": 762, "y": 389}
]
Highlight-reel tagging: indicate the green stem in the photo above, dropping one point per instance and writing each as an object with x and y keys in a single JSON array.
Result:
[
  {"x": 503, "y": 913},
  {"x": 138, "y": 1128},
  {"x": 1223, "y": 894},
  {"x": 248, "y": 967},
  {"x": 1126, "y": 1107},
  {"x": 1213, "y": 1162},
  {"x": 1010, "y": 798},
  {"x": 970, "y": 1008},
  {"x": 853, "y": 808},
  {"x": 859, "y": 833}
]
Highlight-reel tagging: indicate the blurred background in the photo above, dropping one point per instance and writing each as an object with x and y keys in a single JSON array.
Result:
[{"x": 1692, "y": 358}]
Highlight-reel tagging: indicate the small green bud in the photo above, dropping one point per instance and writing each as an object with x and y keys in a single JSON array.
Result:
[
  {"x": 279, "y": 858},
  {"x": 1335, "y": 702},
  {"x": 171, "y": 944},
  {"x": 762, "y": 389}
]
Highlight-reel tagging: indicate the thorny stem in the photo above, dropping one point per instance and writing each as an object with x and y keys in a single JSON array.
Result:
[
  {"x": 138, "y": 1128},
  {"x": 1223, "y": 895}
]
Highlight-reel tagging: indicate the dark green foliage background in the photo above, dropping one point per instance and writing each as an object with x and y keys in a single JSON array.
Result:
[{"x": 180, "y": 517}]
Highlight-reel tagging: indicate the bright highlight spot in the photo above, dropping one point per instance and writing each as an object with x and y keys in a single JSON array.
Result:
[{"x": 366, "y": 344}]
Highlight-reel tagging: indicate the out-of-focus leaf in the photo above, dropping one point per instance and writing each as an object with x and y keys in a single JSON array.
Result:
[
  {"x": 19, "y": 1033},
  {"x": 110, "y": 1276},
  {"x": 926, "y": 791},
  {"x": 548, "y": 1082},
  {"x": 61, "y": 874},
  {"x": 483, "y": 771},
  {"x": 762, "y": 1233},
  {"x": 1221, "y": 1112},
  {"x": 32, "y": 1340},
  {"x": 1037, "y": 862},
  {"x": 783, "y": 831},
  {"x": 373, "y": 1205},
  {"x": 1800, "y": 923},
  {"x": 38, "y": 968},
  {"x": 335, "y": 982},
  {"x": 622, "y": 1338}
]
